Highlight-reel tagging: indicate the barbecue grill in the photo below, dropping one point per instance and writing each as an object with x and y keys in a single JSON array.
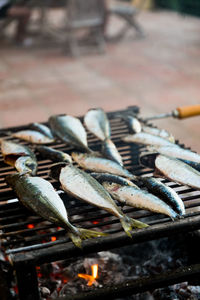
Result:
[{"x": 26, "y": 239}]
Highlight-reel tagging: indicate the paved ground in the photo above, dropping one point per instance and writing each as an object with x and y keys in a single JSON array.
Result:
[{"x": 158, "y": 73}]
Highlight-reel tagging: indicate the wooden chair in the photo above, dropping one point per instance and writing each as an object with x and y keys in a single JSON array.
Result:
[
  {"x": 127, "y": 12},
  {"x": 85, "y": 14}
]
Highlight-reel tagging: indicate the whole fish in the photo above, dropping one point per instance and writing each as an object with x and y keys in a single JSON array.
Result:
[
  {"x": 39, "y": 195},
  {"x": 12, "y": 154},
  {"x": 26, "y": 165},
  {"x": 97, "y": 123},
  {"x": 98, "y": 164},
  {"x": 70, "y": 130},
  {"x": 159, "y": 132},
  {"x": 177, "y": 171},
  {"x": 106, "y": 177},
  {"x": 33, "y": 136},
  {"x": 133, "y": 124},
  {"x": 83, "y": 186},
  {"x": 53, "y": 154},
  {"x": 147, "y": 139},
  {"x": 179, "y": 152},
  {"x": 110, "y": 151},
  {"x": 131, "y": 196},
  {"x": 43, "y": 129},
  {"x": 165, "y": 193}
]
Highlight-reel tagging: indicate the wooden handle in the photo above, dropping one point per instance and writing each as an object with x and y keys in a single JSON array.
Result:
[{"x": 188, "y": 111}]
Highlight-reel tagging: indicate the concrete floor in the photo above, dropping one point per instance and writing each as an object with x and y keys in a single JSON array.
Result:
[{"x": 158, "y": 73}]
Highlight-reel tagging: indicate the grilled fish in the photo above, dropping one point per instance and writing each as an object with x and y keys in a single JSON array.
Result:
[
  {"x": 13, "y": 153},
  {"x": 179, "y": 152},
  {"x": 83, "y": 186},
  {"x": 147, "y": 139},
  {"x": 53, "y": 154},
  {"x": 110, "y": 151},
  {"x": 33, "y": 136},
  {"x": 159, "y": 132},
  {"x": 192, "y": 164},
  {"x": 177, "y": 171},
  {"x": 131, "y": 196},
  {"x": 43, "y": 129},
  {"x": 133, "y": 124},
  {"x": 106, "y": 177},
  {"x": 98, "y": 164},
  {"x": 97, "y": 122},
  {"x": 39, "y": 195},
  {"x": 165, "y": 193},
  {"x": 26, "y": 165},
  {"x": 70, "y": 130}
]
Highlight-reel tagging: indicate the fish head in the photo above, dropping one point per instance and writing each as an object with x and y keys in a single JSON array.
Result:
[
  {"x": 25, "y": 164},
  {"x": 148, "y": 159},
  {"x": 56, "y": 169},
  {"x": 111, "y": 186}
]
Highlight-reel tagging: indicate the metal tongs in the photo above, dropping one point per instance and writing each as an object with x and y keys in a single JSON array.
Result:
[{"x": 179, "y": 113}]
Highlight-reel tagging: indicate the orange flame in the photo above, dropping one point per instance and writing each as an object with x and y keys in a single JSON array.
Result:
[
  {"x": 90, "y": 278},
  {"x": 30, "y": 226},
  {"x": 53, "y": 238}
]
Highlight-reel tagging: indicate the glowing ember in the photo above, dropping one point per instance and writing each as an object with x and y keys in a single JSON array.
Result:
[
  {"x": 53, "y": 238},
  {"x": 30, "y": 226},
  {"x": 91, "y": 278}
]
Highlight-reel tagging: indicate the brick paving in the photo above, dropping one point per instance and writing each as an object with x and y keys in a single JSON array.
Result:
[{"x": 158, "y": 73}]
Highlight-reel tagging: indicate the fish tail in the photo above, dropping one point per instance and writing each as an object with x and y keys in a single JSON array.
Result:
[
  {"x": 83, "y": 235},
  {"x": 129, "y": 223}
]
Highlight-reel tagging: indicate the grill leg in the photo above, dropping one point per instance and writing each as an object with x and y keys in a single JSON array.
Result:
[{"x": 27, "y": 281}]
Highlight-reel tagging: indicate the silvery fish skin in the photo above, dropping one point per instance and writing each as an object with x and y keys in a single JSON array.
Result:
[
  {"x": 33, "y": 136},
  {"x": 39, "y": 195},
  {"x": 133, "y": 124},
  {"x": 97, "y": 122},
  {"x": 70, "y": 130},
  {"x": 177, "y": 171},
  {"x": 138, "y": 198},
  {"x": 159, "y": 132},
  {"x": 165, "y": 193},
  {"x": 192, "y": 164},
  {"x": 110, "y": 151},
  {"x": 26, "y": 165},
  {"x": 53, "y": 154},
  {"x": 179, "y": 152},
  {"x": 12, "y": 151},
  {"x": 83, "y": 186},
  {"x": 106, "y": 177},
  {"x": 43, "y": 129},
  {"x": 147, "y": 139},
  {"x": 98, "y": 164}
]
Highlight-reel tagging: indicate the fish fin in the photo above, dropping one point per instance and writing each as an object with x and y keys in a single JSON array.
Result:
[
  {"x": 83, "y": 235},
  {"x": 129, "y": 223}
]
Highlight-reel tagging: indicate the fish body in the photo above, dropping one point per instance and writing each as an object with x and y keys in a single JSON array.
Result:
[
  {"x": 70, "y": 130},
  {"x": 33, "y": 136},
  {"x": 179, "y": 152},
  {"x": 192, "y": 164},
  {"x": 133, "y": 124},
  {"x": 139, "y": 198},
  {"x": 26, "y": 165},
  {"x": 165, "y": 193},
  {"x": 39, "y": 195},
  {"x": 98, "y": 164},
  {"x": 147, "y": 139},
  {"x": 159, "y": 132},
  {"x": 13, "y": 153},
  {"x": 110, "y": 151},
  {"x": 53, "y": 154},
  {"x": 43, "y": 129},
  {"x": 97, "y": 123},
  {"x": 177, "y": 171},
  {"x": 106, "y": 177},
  {"x": 83, "y": 186}
]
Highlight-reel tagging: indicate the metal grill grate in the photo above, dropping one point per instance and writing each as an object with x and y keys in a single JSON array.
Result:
[{"x": 27, "y": 247}]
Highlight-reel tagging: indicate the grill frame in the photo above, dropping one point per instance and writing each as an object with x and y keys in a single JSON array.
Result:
[{"x": 25, "y": 259}]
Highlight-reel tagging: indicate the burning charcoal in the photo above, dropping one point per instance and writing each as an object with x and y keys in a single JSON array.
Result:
[{"x": 45, "y": 292}]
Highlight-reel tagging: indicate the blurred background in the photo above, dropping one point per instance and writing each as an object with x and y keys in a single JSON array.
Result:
[{"x": 65, "y": 57}]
